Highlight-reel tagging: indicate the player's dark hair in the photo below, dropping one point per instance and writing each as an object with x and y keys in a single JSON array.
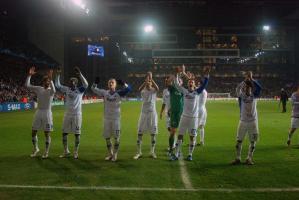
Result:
[{"x": 249, "y": 84}]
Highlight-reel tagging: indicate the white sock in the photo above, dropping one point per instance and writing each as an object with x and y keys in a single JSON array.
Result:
[
  {"x": 178, "y": 147},
  {"x": 139, "y": 143},
  {"x": 109, "y": 146},
  {"x": 251, "y": 150},
  {"x": 35, "y": 142},
  {"x": 239, "y": 149},
  {"x": 153, "y": 143},
  {"x": 290, "y": 135},
  {"x": 202, "y": 135},
  {"x": 116, "y": 145},
  {"x": 192, "y": 146},
  {"x": 77, "y": 142},
  {"x": 48, "y": 143},
  {"x": 64, "y": 142}
]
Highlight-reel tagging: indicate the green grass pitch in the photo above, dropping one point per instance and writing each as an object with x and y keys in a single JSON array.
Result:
[{"x": 276, "y": 166}]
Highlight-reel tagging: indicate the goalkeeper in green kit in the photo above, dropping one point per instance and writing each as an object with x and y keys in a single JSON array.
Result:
[{"x": 176, "y": 108}]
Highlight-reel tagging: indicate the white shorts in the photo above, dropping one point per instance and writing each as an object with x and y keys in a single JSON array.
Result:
[
  {"x": 294, "y": 122},
  {"x": 188, "y": 124},
  {"x": 202, "y": 117},
  {"x": 72, "y": 124},
  {"x": 248, "y": 127},
  {"x": 111, "y": 128},
  {"x": 43, "y": 120},
  {"x": 148, "y": 122}
]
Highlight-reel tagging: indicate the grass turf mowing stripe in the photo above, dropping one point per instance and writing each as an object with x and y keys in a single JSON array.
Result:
[
  {"x": 229, "y": 190},
  {"x": 184, "y": 173}
]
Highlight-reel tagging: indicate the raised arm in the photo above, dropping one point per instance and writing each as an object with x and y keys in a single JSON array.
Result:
[
  {"x": 258, "y": 88},
  {"x": 142, "y": 86},
  {"x": 27, "y": 83},
  {"x": 126, "y": 89},
  {"x": 82, "y": 78},
  {"x": 206, "y": 80},
  {"x": 150, "y": 78},
  {"x": 178, "y": 86},
  {"x": 50, "y": 76},
  {"x": 239, "y": 89},
  {"x": 96, "y": 90},
  {"x": 203, "y": 86},
  {"x": 60, "y": 87}
]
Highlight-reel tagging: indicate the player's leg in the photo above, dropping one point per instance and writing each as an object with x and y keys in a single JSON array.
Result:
[
  {"x": 290, "y": 135},
  {"x": 154, "y": 131},
  {"x": 142, "y": 126},
  {"x": 36, "y": 125},
  {"x": 253, "y": 137},
  {"x": 47, "y": 122},
  {"x": 139, "y": 144},
  {"x": 240, "y": 137},
  {"x": 66, "y": 151},
  {"x": 35, "y": 143},
  {"x": 294, "y": 126},
  {"x": 183, "y": 127},
  {"x": 77, "y": 122},
  {"x": 193, "y": 133},
  {"x": 47, "y": 144},
  {"x": 201, "y": 128},
  {"x": 107, "y": 136},
  {"x": 174, "y": 123},
  {"x": 116, "y": 128},
  {"x": 66, "y": 128},
  {"x": 76, "y": 148}
]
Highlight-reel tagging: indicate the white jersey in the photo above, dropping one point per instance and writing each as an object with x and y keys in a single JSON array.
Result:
[
  {"x": 44, "y": 96},
  {"x": 295, "y": 104},
  {"x": 149, "y": 100},
  {"x": 202, "y": 99},
  {"x": 112, "y": 101},
  {"x": 191, "y": 98},
  {"x": 73, "y": 97},
  {"x": 166, "y": 99},
  {"x": 248, "y": 108}
]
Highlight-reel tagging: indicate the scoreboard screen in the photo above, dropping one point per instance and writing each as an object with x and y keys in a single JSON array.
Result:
[{"x": 94, "y": 50}]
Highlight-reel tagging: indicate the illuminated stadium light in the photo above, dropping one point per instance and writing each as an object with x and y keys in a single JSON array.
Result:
[
  {"x": 148, "y": 28},
  {"x": 266, "y": 27},
  {"x": 80, "y": 4}
]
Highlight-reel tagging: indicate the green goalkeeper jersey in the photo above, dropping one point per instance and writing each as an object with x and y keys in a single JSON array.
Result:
[{"x": 176, "y": 99}]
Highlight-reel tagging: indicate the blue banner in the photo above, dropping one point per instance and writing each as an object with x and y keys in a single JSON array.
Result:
[{"x": 14, "y": 106}]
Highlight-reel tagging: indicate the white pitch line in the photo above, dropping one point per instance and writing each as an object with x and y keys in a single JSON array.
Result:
[
  {"x": 184, "y": 173},
  {"x": 224, "y": 190}
]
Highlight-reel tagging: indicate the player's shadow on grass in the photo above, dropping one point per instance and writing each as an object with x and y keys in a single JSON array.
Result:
[{"x": 60, "y": 167}]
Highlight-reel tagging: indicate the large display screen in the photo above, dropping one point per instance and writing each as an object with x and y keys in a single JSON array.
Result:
[{"x": 94, "y": 50}]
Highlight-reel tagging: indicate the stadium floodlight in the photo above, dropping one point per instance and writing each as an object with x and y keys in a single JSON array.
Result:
[
  {"x": 266, "y": 27},
  {"x": 148, "y": 28}
]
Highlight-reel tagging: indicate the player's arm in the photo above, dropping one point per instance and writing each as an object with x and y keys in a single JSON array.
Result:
[
  {"x": 239, "y": 89},
  {"x": 52, "y": 86},
  {"x": 150, "y": 77},
  {"x": 142, "y": 86},
  {"x": 83, "y": 80},
  {"x": 126, "y": 88},
  {"x": 27, "y": 83},
  {"x": 187, "y": 75},
  {"x": 96, "y": 90},
  {"x": 258, "y": 88},
  {"x": 178, "y": 86},
  {"x": 162, "y": 110},
  {"x": 60, "y": 87},
  {"x": 205, "y": 81}
]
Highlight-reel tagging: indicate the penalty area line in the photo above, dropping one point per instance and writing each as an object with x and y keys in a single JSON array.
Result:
[{"x": 109, "y": 188}]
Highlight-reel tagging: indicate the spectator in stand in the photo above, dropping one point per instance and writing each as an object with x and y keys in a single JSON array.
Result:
[{"x": 283, "y": 99}]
